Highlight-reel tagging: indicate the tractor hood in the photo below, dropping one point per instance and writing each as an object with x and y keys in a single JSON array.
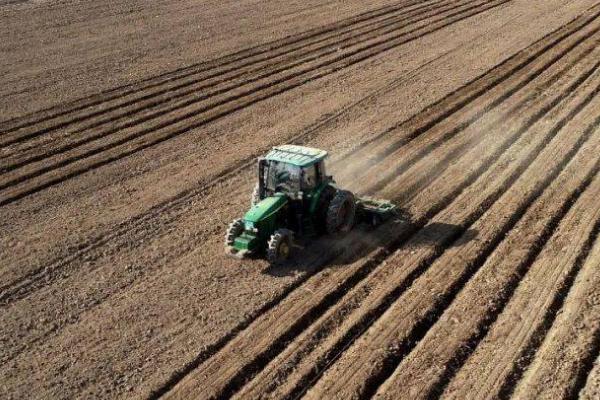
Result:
[{"x": 265, "y": 208}]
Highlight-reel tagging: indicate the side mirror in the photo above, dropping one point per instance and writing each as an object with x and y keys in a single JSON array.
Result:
[{"x": 262, "y": 164}]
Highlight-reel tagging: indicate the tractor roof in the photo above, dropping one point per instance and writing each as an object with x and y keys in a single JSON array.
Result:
[{"x": 299, "y": 156}]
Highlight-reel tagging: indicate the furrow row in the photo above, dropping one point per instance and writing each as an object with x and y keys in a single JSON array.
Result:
[
  {"x": 196, "y": 88},
  {"x": 80, "y": 107},
  {"x": 378, "y": 292},
  {"x": 35, "y": 177},
  {"x": 426, "y": 371},
  {"x": 564, "y": 359},
  {"x": 462, "y": 97},
  {"x": 508, "y": 190},
  {"x": 498, "y": 363},
  {"x": 476, "y": 94},
  {"x": 229, "y": 368}
]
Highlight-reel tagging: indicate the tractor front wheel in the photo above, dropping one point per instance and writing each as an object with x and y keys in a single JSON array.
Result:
[
  {"x": 341, "y": 212},
  {"x": 279, "y": 246},
  {"x": 235, "y": 229}
]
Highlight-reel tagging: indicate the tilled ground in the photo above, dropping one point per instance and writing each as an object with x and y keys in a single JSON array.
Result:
[{"x": 479, "y": 118}]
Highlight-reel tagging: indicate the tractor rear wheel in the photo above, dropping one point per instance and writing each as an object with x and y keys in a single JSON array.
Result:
[
  {"x": 279, "y": 246},
  {"x": 235, "y": 229},
  {"x": 322, "y": 207},
  {"x": 341, "y": 212}
]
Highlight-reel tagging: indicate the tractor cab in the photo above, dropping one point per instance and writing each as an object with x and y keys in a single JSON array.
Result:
[{"x": 294, "y": 171}]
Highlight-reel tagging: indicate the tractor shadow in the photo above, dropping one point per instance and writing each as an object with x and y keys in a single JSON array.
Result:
[{"x": 311, "y": 255}]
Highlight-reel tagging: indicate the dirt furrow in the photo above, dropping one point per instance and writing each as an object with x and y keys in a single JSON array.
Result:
[
  {"x": 430, "y": 366},
  {"x": 105, "y": 153},
  {"x": 309, "y": 355},
  {"x": 138, "y": 298},
  {"x": 92, "y": 277},
  {"x": 418, "y": 171},
  {"x": 460, "y": 98},
  {"x": 561, "y": 365},
  {"x": 21, "y": 287},
  {"x": 177, "y": 94},
  {"x": 495, "y": 367},
  {"x": 480, "y": 89},
  {"x": 225, "y": 370},
  {"x": 371, "y": 359},
  {"x": 591, "y": 390},
  {"x": 79, "y": 108}
]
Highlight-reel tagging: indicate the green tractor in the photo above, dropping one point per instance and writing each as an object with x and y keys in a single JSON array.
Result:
[{"x": 295, "y": 198}]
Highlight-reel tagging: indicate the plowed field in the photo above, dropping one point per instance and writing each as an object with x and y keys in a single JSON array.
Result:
[{"x": 128, "y": 137}]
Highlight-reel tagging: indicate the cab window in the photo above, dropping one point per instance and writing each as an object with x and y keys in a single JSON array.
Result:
[{"x": 282, "y": 176}]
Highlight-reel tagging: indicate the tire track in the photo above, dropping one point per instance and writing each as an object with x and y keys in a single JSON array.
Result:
[
  {"x": 461, "y": 98},
  {"x": 338, "y": 330},
  {"x": 100, "y": 155},
  {"x": 543, "y": 289},
  {"x": 46, "y": 273},
  {"x": 165, "y": 78},
  {"x": 489, "y": 290},
  {"x": 564, "y": 360},
  {"x": 400, "y": 135},
  {"x": 368, "y": 366},
  {"x": 210, "y": 78},
  {"x": 224, "y": 376}
]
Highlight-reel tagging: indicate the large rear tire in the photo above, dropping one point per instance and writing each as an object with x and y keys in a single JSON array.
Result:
[
  {"x": 235, "y": 229},
  {"x": 341, "y": 212},
  {"x": 322, "y": 207},
  {"x": 279, "y": 246}
]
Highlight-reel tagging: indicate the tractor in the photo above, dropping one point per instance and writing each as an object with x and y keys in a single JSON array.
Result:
[{"x": 295, "y": 198}]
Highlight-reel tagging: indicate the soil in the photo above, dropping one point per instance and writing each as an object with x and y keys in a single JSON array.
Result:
[{"x": 128, "y": 137}]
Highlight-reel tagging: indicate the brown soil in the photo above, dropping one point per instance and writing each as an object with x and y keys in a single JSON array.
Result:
[
  {"x": 563, "y": 360},
  {"x": 127, "y": 143}
]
